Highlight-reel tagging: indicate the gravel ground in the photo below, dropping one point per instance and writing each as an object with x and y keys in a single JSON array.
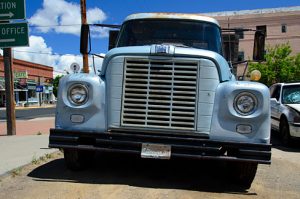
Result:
[{"x": 119, "y": 176}]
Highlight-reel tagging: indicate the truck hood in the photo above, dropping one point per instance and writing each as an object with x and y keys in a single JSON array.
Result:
[
  {"x": 296, "y": 107},
  {"x": 221, "y": 63}
]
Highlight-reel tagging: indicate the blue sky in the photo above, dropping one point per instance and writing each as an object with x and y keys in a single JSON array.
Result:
[{"x": 60, "y": 40}]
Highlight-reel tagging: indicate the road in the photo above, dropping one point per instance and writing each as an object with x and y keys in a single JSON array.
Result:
[
  {"x": 30, "y": 113},
  {"x": 126, "y": 177}
]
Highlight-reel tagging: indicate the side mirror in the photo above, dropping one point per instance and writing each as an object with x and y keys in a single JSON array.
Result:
[
  {"x": 84, "y": 39},
  {"x": 259, "y": 46},
  {"x": 113, "y": 36},
  {"x": 274, "y": 101}
]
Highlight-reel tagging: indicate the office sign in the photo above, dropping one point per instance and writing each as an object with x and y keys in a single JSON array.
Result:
[
  {"x": 13, "y": 35},
  {"x": 12, "y": 9}
]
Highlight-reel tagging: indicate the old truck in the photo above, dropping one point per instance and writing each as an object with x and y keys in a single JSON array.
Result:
[{"x": 165, "y": 91}]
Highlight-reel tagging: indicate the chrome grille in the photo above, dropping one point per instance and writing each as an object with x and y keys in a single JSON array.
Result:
[{"x": 159, "y": 94}]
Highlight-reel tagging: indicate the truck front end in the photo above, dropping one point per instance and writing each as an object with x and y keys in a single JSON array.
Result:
[{"x": 165, "y": 92}]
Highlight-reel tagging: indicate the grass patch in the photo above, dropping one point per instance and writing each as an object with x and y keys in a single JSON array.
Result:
[
  {"x": 44, "y": 158},
  {"x": 35, "y": 160},
  {"x": 16, "y": 172},
  {"x": 39, "y": 133},
  {"x": 49, "y": 156}
]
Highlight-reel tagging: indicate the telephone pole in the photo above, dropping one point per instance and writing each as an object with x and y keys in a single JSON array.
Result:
[
  {"x": 84, "y": 21},
  {"x": 9, "y": 92}
]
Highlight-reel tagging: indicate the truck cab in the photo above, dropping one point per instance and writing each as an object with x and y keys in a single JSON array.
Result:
[{"x": 165, "y": 91}]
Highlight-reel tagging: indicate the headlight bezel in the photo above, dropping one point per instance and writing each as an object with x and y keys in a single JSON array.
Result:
[
  {"x": 81, "y": 86},
  {"x": 242, "y": 96}
]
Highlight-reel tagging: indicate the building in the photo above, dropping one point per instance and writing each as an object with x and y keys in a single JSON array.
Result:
[
  {"x": 28, "y": 79},
  {"x": 281, "y": 25}
]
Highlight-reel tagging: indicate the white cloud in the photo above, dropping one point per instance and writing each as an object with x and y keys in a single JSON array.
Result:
[
  {"x": 39, "y": 52},
  {"x": 61, "y": 16}
]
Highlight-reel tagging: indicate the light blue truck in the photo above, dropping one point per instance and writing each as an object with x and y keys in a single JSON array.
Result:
[{"x": 165, "y": 91}]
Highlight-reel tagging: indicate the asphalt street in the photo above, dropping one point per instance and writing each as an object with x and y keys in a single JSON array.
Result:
[{"x": 30, "y": 113}]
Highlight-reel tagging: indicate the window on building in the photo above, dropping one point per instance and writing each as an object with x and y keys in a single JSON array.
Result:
[
  {"x": 240, "y": 33},
  {"x": 283, "y": 28},
  {"x": 262, "y": 28},
  {"x": 241, "y": 56}
]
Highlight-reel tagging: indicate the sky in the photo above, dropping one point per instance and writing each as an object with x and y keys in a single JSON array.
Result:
[{"x": 55, "y": 24}]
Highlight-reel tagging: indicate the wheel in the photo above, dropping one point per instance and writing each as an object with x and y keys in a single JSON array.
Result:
[
  {"x": 285, "y": 132},
  {"x": 76, "y": 160},
  {"x": 242, "y": 173}
]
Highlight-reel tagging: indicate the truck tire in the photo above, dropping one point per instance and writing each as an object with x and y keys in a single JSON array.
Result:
[
  {"x": 285, "y": 132},
  {"x": 77, "y": 160},
  {"x": 242, "y": 173}
]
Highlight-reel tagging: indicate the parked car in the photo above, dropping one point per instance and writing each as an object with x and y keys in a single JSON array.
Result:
[{"x": 285, "y": 110}]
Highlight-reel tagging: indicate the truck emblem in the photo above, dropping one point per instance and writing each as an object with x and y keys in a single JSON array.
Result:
[{"x": 162, "y": 49}]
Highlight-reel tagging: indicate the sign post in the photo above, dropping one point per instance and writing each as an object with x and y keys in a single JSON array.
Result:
[{"x": 11, "y": 35}]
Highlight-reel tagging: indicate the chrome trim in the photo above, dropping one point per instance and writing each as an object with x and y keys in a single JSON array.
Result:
[
  {"x": 160, "y": 93},
  {"x": 236, "y": 108},
  {"x": 69, "y": 94}
]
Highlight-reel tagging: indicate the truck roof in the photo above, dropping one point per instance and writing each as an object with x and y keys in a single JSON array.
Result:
[{"x": 183, "y": 16}]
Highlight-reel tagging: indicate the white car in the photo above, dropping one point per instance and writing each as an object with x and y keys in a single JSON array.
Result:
[{"x": 285, "y": 110}]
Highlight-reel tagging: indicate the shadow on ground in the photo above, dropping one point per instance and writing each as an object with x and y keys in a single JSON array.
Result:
[
  {"x": 147, "y": 173},
  {"x": 277, "y": 143}
]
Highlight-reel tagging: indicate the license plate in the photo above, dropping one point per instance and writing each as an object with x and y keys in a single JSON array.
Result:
[{"x": 156, "y": 151}]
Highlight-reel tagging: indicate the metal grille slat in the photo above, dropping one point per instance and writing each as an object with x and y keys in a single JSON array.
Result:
[{"x": 159, "y": 94}]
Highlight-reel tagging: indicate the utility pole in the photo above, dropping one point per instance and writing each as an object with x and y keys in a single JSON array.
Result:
[
  {"x": 9, "y": 92},
  {"x": 84, "y": 21}
]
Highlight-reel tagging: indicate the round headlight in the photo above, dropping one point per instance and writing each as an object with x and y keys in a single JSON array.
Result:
[
  {"x": 78, "y": 94},
  {"x": 245, "y": 103}
]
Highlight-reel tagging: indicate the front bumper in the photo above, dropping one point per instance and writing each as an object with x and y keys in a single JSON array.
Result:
[
  {"x": 193, "y": 147},
  {"x": 295, "y": 130}
]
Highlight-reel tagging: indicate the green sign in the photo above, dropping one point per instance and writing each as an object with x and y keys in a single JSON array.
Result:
[
  {"x": 13, "y": 35},
  {"x": 12, "y": 9},
  {"x": 21, "y": 75}
]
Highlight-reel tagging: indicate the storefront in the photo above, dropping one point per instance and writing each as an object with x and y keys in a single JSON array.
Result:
[{"x": 27, "y": 76}]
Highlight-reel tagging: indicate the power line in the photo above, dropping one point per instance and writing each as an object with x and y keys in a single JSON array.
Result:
[
  {"x": 44, "y": 53},
  {"x": 58, "y": 25},
  {"x": 48, "y": 53}
]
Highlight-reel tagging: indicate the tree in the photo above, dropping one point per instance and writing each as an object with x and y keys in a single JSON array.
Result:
[
  {"x": 55, "y": 84},
  {"x": 279, "y": 66}
]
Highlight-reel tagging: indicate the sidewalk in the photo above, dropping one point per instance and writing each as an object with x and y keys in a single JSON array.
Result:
[
  {"x": 17, "y": 151},
  {"x": 31, "y": 142},
  {"x": 30, "y": 127}
]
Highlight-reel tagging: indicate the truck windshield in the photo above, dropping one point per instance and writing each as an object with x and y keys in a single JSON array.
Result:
[{"x": 195, "y": 34}]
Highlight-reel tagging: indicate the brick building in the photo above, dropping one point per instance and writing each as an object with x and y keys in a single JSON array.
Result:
[
  {"x": 282, "y": 25},
  {"x": 27, "y": 76}
]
